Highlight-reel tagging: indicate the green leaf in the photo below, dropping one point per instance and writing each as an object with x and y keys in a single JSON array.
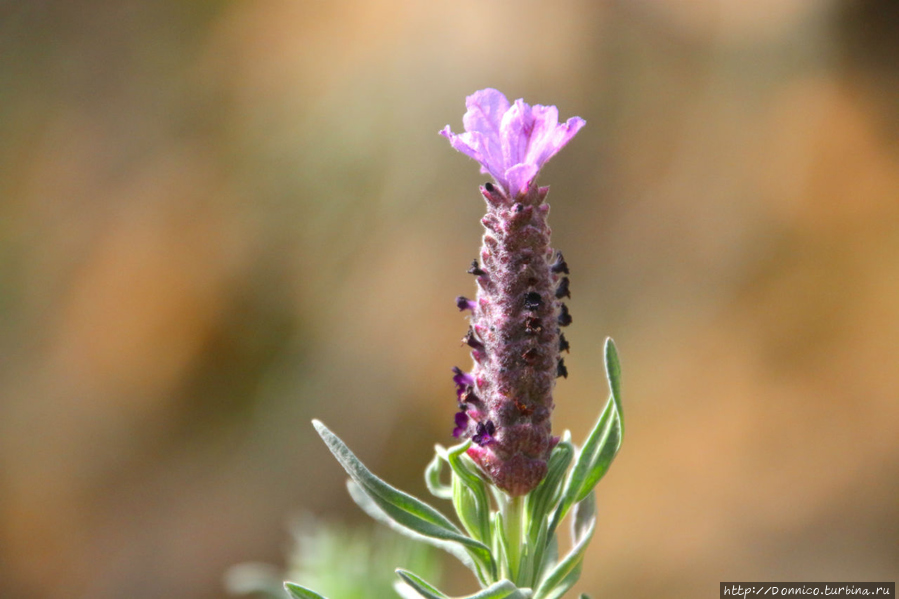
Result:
[
  {"x": 371, "y": 508},
  {"x": 423, "y": 588},
  {"x": 564, "y": 585},
  {"x": 541, "y": 500},
  {"x": 503, "y": 589},
  {"x": 584, "y": 516},
  {"x": 432, "y": 475},
  {"x": 469, "y": 494},
  {"x": 602, "y": 444},
  {"x": 613, "y": 373},
  {"x": 567, "y": 572},
  {"x": 501, "y": 543},
  {"x": 298, "y": 592},
  {"x": 585, "y": 596},
  {"x": 403, "y": 508}
]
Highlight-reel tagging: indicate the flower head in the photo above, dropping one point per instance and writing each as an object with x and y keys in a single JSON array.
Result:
[{"x": 512, "y": 142}]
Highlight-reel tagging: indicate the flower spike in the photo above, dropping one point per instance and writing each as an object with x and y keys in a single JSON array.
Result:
[{"x": 515, "y": 318}]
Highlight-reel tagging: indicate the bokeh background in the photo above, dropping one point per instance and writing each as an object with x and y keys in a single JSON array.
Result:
[{"x": 221, "y": 219}]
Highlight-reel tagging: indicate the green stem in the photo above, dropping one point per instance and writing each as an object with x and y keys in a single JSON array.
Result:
[{"x": 512, "y": 522}]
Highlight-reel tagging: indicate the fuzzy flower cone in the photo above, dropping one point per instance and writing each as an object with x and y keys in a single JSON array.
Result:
[{"x": 516, "y": 319}]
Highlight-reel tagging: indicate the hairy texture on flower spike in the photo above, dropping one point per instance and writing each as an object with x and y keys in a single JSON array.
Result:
[{"x": 507, "y": 399}]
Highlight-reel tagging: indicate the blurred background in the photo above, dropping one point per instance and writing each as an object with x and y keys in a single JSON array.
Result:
[{"x": 220, "y": 219}]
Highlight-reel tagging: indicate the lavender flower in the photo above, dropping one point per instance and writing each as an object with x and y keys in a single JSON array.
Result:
[
  {"x": 515, "y": 320},
  {"x": 506, "y": 400}
]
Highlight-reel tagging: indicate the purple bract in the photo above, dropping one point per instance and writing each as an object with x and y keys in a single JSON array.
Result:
[{"x": 512, "y": 142}]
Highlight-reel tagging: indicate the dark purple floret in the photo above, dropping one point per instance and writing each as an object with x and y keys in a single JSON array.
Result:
[
  {"x": 533, "y": 301},
  {"x": 559, "y": 266},
  {"x": 564, "y": 316},
  {"x": 472, "y": 340},
  {"x": 461, "y": 424},
  {"x": 474, "y": 269},
  {"x": 484, "y": 433},
  {"x": 561, "y": 290},
  {"x": 463, "y": 381},
  {"x": 463, "y": 303},
  {"x": 561, "y": 370},
  {"x": 563, "y": 343}
]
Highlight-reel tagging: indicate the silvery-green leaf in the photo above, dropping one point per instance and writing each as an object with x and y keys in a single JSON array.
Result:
[
  {"x": 601, "y": 446},
  {"x": 469, "y": 494},
  {"x": 432, "y": 476},
  {"x": 405, "y": 591},
  {"x": 503, "y": 589},
  {"x": 584, "y": 516},
  {"x": 541, "y": 500},
  {"x": 501, "y": 543},
  {"x": 371, "y": 508},
  {"x": 566, "y": 573},
  {"x": 423, "y": 588},
  {"x": 298, "y": 592},
  {"x": 403, "y": 508},
  {"x": 564, "y": 585},
  {"x": 613, "y": 373}
]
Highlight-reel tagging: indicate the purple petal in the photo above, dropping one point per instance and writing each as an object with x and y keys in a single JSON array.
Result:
[
  {"x": 511, "y": 142},
  {"x": 463, "y": 303},
  {"x": 519, "y": 176},
  {"x": 484, "y": 433},
  {"x": 546, "y": 121},
  {"x": 463, "y": 381},
  {"x": 461, "y": 424}
]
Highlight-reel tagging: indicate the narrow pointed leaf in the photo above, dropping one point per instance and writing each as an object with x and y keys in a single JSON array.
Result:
[
  {"x": 298, "y": 592},
  {"x": 432, "y": 476},
  {"x": 371, "y": 508},
  {"x": 541, "y": 500},
  {"x": 584, "y": 517},
  {"x": 405, "y": 509},
  {"x": 566, "y": 583},
  {"x": 567, "y": 572},
  {"x": 503, "y": 589},
  {"x": 613, "y": 373},
  {"x": 601, "y": 446},
  {"x": 469, "y": 494},
  {"x": 422, "y": 587}
]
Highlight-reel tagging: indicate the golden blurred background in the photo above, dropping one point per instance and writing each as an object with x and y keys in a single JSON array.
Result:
[{"x": 221, "y": 219}]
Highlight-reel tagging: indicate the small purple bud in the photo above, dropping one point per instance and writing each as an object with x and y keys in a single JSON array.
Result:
[
  {"x": 475, "y": 269},
  {"x": 564, "y": 316},
  {"x": 559, "y": 265},
  {"x": 532, "y": 325},
  {"x": 562, "y": 290},
  {"x": 533, "y": 301},
  {"x": 461, "y": 424},
  {"x": 530, "y": 356},
  {"x": 463, "y": 381},
  {"x": 471, "y": 340},
  {"x": 463, "y": 303},
  {"x": 469, "y": 397},
  {"x": 484, "y": 433},
  {"x": 563, "y": 344}
]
